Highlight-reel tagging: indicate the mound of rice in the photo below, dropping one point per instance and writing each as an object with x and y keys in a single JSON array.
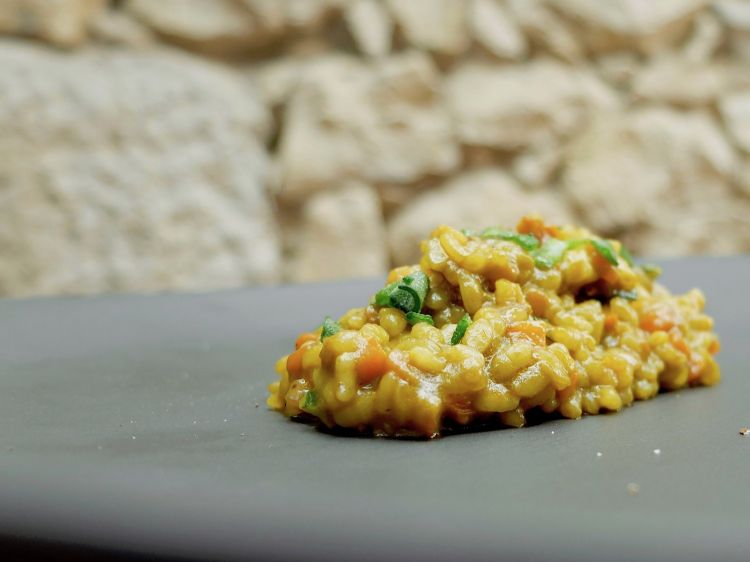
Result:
[{"x": 493, "y": 324}]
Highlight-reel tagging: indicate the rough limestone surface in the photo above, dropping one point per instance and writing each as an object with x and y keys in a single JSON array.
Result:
[
  {"x": 495, "y": 29},
  {"x": 742, "y": 178},
  {"x": 61, "y": 22},
  {"x": 435, "y": 25},
  {"x": 735, "y": 15},
  {"x": 735, "y": 110},
  {"x": 628, "y": 170},
  {"x": 705, "y": 40},
  {"x": 536, "y": 166},
  {"x": 475, "y": 199},
  {"x": 370, "y": 25},
  {"x": 378, "y": 122},
  {"x": 545, "y": 30},
  {"x": 277, "y": 79},
  {"x": 343, "y": 229},
  {"x": 674, "y": 80},
  {"x": 645, "y": 25},
  {"x": 715, "y": 225},
  {"x": 288, "y": 127},
  {"x": 511, "y": 107},
  {"x": 220, "y": 26},
  {"x": 227, "y": 27},
  {"x": 619, "y": 68},
  {"x": 144, "y": 177},
  {"x": 121, "y": 28}
]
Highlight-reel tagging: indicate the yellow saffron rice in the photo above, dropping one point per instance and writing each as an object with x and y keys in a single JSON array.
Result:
[{"x": 493, "y": 324}]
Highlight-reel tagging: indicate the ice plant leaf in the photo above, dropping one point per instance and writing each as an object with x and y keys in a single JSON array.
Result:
[
  {"x": 330, "y": 327},
  {"x": 460, "y": 330},
  {"x": 527, "y": 241},
  {"x": 605, "y": 249},
  {"x": 550, "y": 253},
  {"x": 416, "y": 318}
]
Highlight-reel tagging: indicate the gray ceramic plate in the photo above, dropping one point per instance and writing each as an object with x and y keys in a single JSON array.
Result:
[{"x": 138, "y": 424}]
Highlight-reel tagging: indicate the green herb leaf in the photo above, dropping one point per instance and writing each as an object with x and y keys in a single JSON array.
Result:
[
  {"x": 627, "y": 256},
  {"x": 408, "y": 294},
  {"x": 467, "y": 232},
  {"x": 572, "y": 244},
  {"x": 383, "y": 296},
  {"x": 330, "y": 327},
  {"x": 310, "y": 402},
  {"x": 411, "y": 292},
  {"x": 527, "y": 241},
  {"x": 605, "y": 249},
  {"x": 461, "y": 328},
  {"x": 653, "y": 271},
  {"x": 627, "y": 295},
  {"x": 415, "y": 318},
  {"x": 311, "y": 398},
  {"x": 550, "y": 253},
  {"x": 405, "y": 298}
]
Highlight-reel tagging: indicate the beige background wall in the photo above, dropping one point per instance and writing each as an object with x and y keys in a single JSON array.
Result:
[{"x": 195, "y": 144}]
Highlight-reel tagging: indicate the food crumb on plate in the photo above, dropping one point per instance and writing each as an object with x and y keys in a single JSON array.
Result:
[
  {"x": 633, "y": 489},
  {"x": 744, "y": 431}
]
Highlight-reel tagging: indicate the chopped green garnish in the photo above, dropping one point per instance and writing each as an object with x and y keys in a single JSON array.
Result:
[
  {"x": 553, "y": 250},
  {"x": 408, "y": 294},
  {"x": 527, "y": 241},
  {"x": 420, "y": 283},
  {"x": 461, "y": 328},
  {"x": 550, "y": 253},
  {"x": 311, "y": 398},
  {"x": 405, "y": 298},
  {"x": 652, "y": 270},
  {"x": 627, "y": 256},
  {"x": 627, "y": 295},
  {"x": 330, "y": 327},
  {"x": 605, "y": 249},
  {"x": 416, "y": 318},
  {"x": 572, "y": 244},
  {"x": 467, "y": 232},
  {"x": 383, "y": 296},
  {"x": 310, "y": 401}
]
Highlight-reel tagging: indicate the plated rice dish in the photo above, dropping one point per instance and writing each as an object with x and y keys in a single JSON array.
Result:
[{"x": 494, "y": 326}]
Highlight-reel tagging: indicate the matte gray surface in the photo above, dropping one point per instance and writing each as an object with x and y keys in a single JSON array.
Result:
[{"x": 139, "y": 423}]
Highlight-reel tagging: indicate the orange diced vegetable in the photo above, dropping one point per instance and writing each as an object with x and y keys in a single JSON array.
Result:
[
  {"x": 610, "y": 322},
  {"x": 680, "y": 344},
  {"x": 605, "y": 269},
  {"x": 538, "y": 300},
  {"x": 532, "y": 225},
  {"x": 304, "y": 338},
  {"x": 535, "y": 333},
  {"x": 372, "y": 364},
  {"x": 651, "y": 322},
  {"x": 294, "y": 364}
]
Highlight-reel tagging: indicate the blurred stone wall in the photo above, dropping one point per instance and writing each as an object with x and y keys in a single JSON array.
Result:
[{"x": 194, "y": 144}]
